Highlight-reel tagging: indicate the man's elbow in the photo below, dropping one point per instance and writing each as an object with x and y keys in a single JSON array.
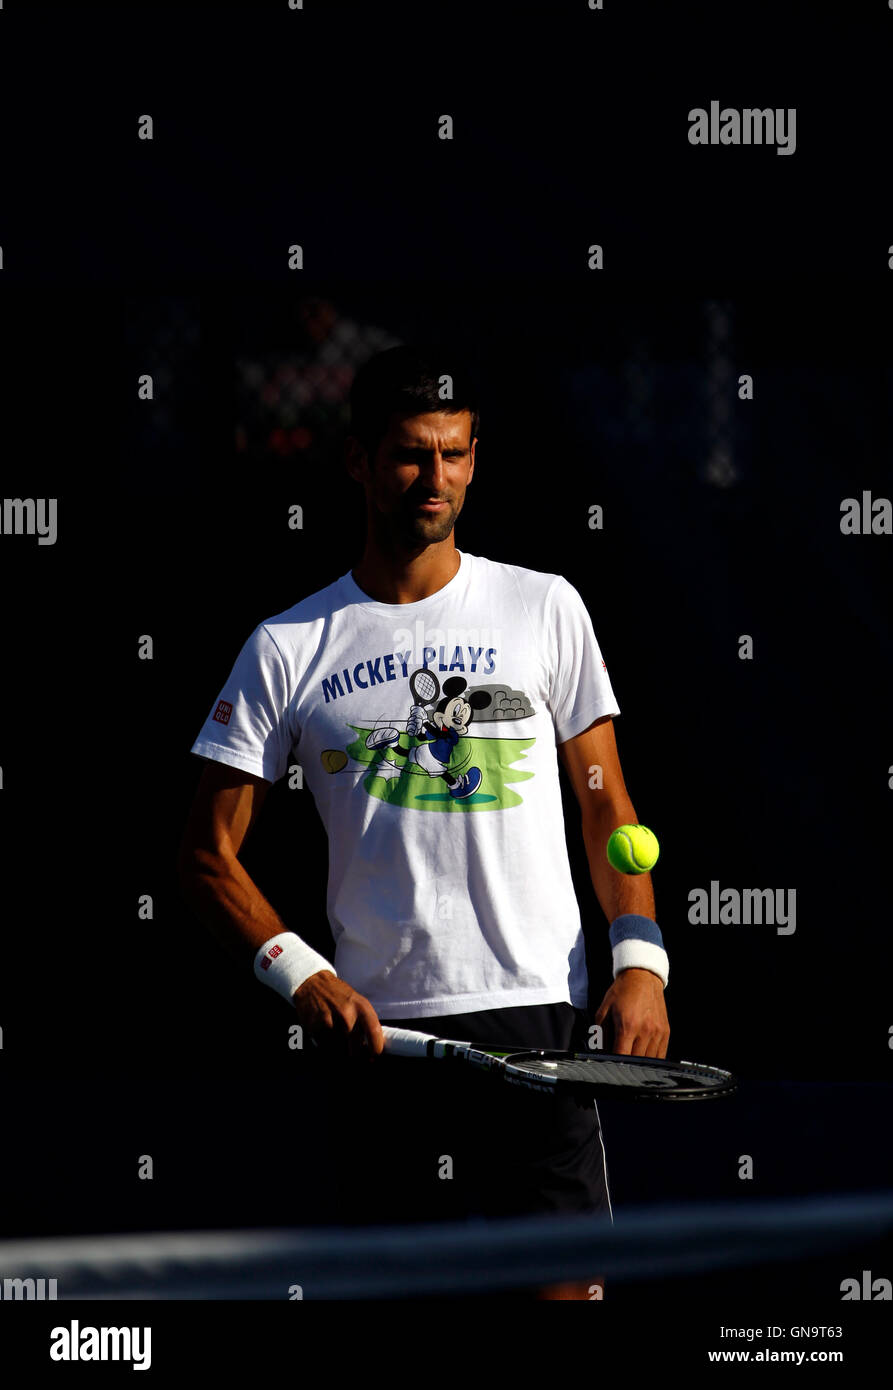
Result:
[
  {"x": 607, "y": 810},
  {"x": 195, "y": 865}
]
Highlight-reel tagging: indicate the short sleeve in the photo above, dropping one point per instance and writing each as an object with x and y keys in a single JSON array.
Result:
[
  {"x": 580, "y": 690},
  {"x": 249, "y": 726}
]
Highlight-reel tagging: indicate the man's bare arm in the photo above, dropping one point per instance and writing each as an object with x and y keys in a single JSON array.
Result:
[
  {"x": 213, "y": 881},
  {"x": 227, "y": 900},
  {"x": 602, "y": 810},
  {"x": 634, "y": 1005}
]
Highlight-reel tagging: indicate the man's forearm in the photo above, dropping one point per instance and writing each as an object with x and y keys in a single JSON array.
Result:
[
  {"x": 617, "y": 893},
  {"x": 229, "y": 903}
]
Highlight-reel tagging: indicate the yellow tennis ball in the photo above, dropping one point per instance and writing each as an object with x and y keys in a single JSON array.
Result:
[
  {"x": 333, "y": 759},
  {"x": 633, "y": 849}
]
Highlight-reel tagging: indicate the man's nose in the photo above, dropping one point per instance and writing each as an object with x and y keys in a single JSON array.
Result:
[{"x": 433, "y": 472}]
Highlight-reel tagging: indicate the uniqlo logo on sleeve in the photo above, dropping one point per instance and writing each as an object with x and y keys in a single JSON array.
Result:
[
  {"x": 271, "y": 955},
  {"x": 223, "y": 712}
]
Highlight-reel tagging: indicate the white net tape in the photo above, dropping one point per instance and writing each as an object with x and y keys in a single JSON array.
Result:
[{"x": 393, "y": 1262}]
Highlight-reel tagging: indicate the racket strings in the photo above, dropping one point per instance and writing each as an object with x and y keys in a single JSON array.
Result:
[
  {"x": 591, "y": 1069},
  {"x": 424, "y": 685}
]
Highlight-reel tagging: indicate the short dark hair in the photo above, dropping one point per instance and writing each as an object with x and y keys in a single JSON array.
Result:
[{"x": 406, "y": 381}]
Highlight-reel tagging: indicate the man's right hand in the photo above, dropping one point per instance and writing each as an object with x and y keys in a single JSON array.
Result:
[{"x": 338, "y": 1019}]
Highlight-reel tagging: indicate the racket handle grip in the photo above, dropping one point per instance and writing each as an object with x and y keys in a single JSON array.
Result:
[{"x": 404, "y": 1042}]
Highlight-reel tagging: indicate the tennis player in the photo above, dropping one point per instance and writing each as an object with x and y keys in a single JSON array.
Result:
[{"x": 428, "y": 695}]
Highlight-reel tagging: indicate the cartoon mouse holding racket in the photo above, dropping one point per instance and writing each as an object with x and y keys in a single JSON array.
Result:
[{"x": 439, "y": 727}]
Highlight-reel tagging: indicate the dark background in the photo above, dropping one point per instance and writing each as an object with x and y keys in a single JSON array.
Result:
[{"x": 617, "y": 387}]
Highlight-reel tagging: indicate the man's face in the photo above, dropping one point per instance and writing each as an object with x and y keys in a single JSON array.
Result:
[{"x": 422, "y": 459}]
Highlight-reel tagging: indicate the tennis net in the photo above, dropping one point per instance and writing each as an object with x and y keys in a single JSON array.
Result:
[{"x": 476, "y": 1256}]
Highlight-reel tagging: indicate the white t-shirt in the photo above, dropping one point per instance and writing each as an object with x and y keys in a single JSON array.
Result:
[{"x": 449, "y": 884}]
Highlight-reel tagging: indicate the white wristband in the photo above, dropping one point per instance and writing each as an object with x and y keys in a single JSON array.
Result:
[
  {"x": 285, "y": 962},
  {"x": 641, "y": 955}
]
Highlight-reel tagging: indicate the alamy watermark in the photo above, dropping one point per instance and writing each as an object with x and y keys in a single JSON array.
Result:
[
  {"x": 29, "y": 516},
  {"x": 718, "y": 907},
  {"x": 728, "y": 125},
  {"x": 28, "y": 1290}
]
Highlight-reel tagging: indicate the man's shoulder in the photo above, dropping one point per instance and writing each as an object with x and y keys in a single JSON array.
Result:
[
  {"x": 315, "y": 608},
  {"x": 533, "y": 584}
]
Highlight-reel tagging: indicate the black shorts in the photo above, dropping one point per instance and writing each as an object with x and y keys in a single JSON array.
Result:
[{"x": 415, "y": 1140}]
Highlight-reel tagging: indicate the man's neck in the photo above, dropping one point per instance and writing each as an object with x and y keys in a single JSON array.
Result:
[{"x": 388, "y": 580}]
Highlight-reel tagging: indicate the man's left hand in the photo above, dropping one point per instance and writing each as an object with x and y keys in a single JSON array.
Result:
[{"x": 635, "y": 1010}]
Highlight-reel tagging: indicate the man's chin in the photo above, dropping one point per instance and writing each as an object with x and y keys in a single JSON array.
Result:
[{"x": 429, "y": 530}]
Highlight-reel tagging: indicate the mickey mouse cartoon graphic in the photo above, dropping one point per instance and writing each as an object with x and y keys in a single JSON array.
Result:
[{"x": 439, "y": 726}]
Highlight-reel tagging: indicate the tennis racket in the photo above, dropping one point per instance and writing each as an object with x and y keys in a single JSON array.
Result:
[
  {"x": 425, "y": 686},
  {"x": 580, "y": 1073}
]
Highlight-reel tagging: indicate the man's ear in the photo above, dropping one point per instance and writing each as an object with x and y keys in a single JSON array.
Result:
[{"x": 355, "y": 458}]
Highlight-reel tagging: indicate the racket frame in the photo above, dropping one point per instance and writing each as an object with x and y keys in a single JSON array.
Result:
[
  {"x": 427, "y": 699},
  {"x": 508, "y": 1066}
]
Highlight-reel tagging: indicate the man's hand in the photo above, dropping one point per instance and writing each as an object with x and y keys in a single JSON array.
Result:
[
  {"x": 337, "y": 1018},
  {"x": 637, "y": 1015}
]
